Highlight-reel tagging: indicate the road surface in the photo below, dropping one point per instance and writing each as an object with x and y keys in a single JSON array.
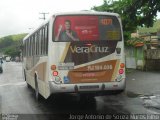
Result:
[{"x": 142, "y": 96}]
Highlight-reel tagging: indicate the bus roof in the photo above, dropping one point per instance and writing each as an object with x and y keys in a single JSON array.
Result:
[{"x": 86, "y": 12}]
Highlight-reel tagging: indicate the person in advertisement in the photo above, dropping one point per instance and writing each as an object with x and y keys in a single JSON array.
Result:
[{"x": 67, "y": 34}]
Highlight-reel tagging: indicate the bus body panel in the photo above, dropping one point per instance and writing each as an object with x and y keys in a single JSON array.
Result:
[{"x": 91, "y": 64}]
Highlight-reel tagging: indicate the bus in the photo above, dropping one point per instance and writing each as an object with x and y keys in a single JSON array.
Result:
[{"x": 75, "y": 53}]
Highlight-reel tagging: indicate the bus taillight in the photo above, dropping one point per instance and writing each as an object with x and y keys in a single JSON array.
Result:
[
  {"x": 55, "y": 73},
  {"x": 53, "y": 67},
  {"x": 121, "y": 71},
  {"x": 122, "y": 65}
]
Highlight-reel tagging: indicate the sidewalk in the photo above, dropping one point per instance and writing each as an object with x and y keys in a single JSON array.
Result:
[{"x": 142, "y": 82}]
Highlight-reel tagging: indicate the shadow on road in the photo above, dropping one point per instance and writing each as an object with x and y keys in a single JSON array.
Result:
[{"x": 66, "y": 103}]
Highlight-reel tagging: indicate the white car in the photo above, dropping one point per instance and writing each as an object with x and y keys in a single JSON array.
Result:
[{"x": 8, "y": 59}]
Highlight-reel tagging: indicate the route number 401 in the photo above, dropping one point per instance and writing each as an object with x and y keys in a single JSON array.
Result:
[{"x": 107, "y": 21}]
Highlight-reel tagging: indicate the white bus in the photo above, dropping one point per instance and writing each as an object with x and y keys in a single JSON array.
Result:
[{"x": 79, "y": 52}]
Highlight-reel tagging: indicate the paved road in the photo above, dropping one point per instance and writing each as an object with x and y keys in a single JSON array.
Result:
[{"x": 142, "y": 96}]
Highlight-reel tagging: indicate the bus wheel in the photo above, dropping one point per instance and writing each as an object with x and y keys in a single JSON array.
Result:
[
  {"x": 36, "y": 88},
  {"x": 24, "y": 75},
  {"x": 25, "y": 78}
]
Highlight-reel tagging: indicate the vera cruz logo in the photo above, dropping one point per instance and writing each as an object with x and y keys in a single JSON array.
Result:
[{"x": 90, "y": 49}]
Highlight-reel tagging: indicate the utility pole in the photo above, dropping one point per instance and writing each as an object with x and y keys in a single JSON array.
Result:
[{"x": 44, "y": 15}]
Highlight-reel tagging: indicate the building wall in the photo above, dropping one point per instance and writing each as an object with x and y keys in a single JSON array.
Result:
[{"x": 134, "y": 57}]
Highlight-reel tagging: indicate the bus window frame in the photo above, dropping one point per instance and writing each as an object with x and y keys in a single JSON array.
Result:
[{"x": 116, "y": 17}]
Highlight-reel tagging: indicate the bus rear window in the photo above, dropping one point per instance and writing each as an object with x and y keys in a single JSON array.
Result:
[{"x": 86, "y": 28}]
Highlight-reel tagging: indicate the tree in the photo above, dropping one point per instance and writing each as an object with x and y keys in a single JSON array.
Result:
[
  {"x": 133, "y": 12},
  {"x": 5, "y": 42},
  {"x": 12, "y": 51},
  {"x": 10, "y": 45}
]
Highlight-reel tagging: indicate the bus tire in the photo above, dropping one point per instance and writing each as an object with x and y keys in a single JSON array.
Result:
[
  {"x": 25, "y": 78},
  {"x": 24, "y": 75},
  {"x": 36, "y": 88}
]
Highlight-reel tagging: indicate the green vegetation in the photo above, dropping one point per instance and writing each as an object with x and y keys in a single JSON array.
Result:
[
  {"x": 155, "y": 28},
  {"x": 10, "y": 45},
  {"x": 133, "y": 13}
]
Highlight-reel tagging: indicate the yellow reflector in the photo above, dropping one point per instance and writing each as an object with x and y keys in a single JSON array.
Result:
[
  {"x": 53, "y": 67},
  {"x": 122, "y": 65}
]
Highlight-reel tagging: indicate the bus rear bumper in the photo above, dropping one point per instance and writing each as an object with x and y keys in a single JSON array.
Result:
[{"x": 86, "y": 87}]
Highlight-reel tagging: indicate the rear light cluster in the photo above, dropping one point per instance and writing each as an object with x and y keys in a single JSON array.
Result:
[
  {"x": 121, "y": 70},
  {"x": 54, "y": 72}
]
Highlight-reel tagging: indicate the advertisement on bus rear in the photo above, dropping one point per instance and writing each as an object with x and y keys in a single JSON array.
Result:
[{"x": 86, "y": 28}]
